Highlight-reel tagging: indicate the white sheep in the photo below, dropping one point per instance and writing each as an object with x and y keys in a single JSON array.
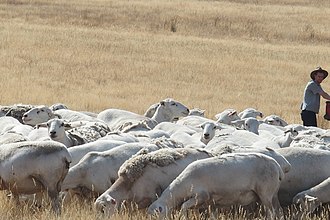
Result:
[
  {"x": 97, "y": 171},
  {"x": 118, "y": 120},
  {"x": 58, "y": 106},
  {"x": 250, "y": 124},
  {"x": 152, "y": 109},
  {"x": 237, "y": 137},
  {"x": 305, "y": 163},
  {"x": 43, "y": 113},
  {"x": 12, "y": 137},
  {"x": 169, "y": 110},
  {"x": 34, "y": 166},
  {"x": 208, "y": 133},
  {"x": 15, "y": 111},
  {"x": 57, "y": 132},
  {"x": 171, "y": 128},
  {"x": 193, "y": 121},
  {"x": 188, "y": 141},
  {"x": 250, "y": 112},
  {"x": 227, "y": 116},
  {"x": 122, "y": 120},
  {"x": 72, "y": 115},
  {"x": 275, "y": 120},
  {"x": 120, "y": 136},
  {"x": 286, "y": 139},
  {"x": 38, "y": 115},
  {"x": 87, "y": 132},
  {"x": 143, "y": 177},
  {"x": 197, "y": 112},
  {"x": 230, "y": 179},
  {"x": 313, "y": 197},
  {"x": 10, "y": 124},
  {"x": 78, "y": 152}
]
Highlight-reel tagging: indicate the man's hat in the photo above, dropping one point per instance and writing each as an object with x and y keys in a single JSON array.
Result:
[{"x": 319, "y": 70}]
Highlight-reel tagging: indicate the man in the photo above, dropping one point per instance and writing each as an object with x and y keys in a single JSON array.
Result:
[{"x": 311, "y": 102}]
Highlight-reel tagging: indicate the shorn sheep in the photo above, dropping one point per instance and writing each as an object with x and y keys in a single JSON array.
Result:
[
  {"x": 33, "y": 167},
  {"x": 231, "y": 179}
]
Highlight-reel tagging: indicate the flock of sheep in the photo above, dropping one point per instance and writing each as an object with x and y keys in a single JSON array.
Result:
[{"x": 169, "y": 159}]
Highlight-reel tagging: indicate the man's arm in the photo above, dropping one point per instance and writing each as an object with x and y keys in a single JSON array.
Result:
[{"x": 325, "y": 95}]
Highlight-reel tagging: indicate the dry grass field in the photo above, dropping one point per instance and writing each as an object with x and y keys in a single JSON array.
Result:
[{"x": 128, "y": 54}]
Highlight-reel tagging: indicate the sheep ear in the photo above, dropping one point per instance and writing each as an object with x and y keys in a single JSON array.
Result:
[
  {"x": 43, "y": 125},
  {"x": 49, "y": 112},
  {"x": 58, "y": 116},
  {"x": 67, "y": 126},
  {"x": 270, "y": 149},
  {"x": 232, "y": 113}
]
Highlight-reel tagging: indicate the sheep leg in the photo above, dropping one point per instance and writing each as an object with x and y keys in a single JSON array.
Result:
[
  {"x": 278, "y": 208},
  {"x": 267, "y": 202},
  {"x": 193, "y": 202},
  {"x": 15, "y": 198},
  {"x": 37, "y": 199},
  {"x": 55, "y": 200}
]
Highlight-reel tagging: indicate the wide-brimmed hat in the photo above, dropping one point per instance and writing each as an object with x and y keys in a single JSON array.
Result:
[{"x": 319, "y": 70}]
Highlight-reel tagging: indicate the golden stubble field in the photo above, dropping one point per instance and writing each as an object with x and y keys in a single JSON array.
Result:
[{"x": 98, "y": 54}]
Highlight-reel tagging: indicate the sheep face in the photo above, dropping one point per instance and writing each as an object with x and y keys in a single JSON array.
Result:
[
  {"x": 56, "y": 129},
  {"x": 58, "y": 106},
  {"x": 197, "y": 112},
  {"x": 174, "y": 108},
  {"x": 106, "y": 204},
  {"x": 37, "y": 115},
  {"x": 157, "y": 210},
  {"x": 252, "y": 125},
  {"x": 227, "y": 116},
  {"x": 208, "y": 131},
  {"x": 275, "y": 120}
]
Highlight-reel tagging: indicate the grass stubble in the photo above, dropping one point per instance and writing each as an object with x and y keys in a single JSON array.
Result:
[{"x": 98, "y": 54}]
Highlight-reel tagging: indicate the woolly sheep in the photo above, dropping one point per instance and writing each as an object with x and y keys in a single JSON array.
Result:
[
  {"x": 57, "y": 132},
  {"x": 86, "y": 133},
  {"x": 15, "y": 111},
  {"x": 142, "y": 177}
]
